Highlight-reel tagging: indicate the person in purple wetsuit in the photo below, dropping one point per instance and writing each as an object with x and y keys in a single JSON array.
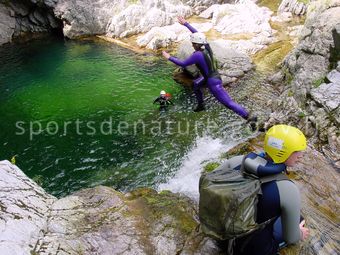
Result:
[{"x": 204, "y": 60}]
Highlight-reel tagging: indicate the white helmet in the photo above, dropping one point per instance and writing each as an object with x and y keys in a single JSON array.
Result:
[
  {"x": 198, "y": 37},
  {"x": 162, "y": 92}
]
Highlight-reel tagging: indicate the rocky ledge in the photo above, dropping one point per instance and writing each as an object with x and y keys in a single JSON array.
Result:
[{"x": 95, "y": 221}]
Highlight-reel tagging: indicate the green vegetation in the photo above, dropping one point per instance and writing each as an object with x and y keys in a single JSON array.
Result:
[
  {"x": 133, "y": 1},
  {"x": 301, "y": 115},
  {"x": 161, "y": 204},
  {"x": 273, "y": 5},
  {"x": 39, "y": 179},
  {"x": 288, "y": 76},
  {"x": 316, "y": 83},
  {"x": 304, "y": 1},
  {"x": 211, "y": 166},
  {"x": 269, "y": 59},
  {"x": 290, "y": 93}
]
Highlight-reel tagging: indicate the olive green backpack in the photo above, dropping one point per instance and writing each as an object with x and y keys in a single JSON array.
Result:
[{"x": 228, "y": 201}]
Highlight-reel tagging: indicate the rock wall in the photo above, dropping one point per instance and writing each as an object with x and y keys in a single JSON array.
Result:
[
  {"x": 76, "y": 18},
  {"x": 7, "y": 24},
  {"x": 122, "y": 18},
  {"x": 18, "y": 18},
  {"x": 306, "y": 99},
  {"x": 95, "y": 221}
]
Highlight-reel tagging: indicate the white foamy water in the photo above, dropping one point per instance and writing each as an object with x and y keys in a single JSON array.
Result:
[{"x": 185, "y": 181}]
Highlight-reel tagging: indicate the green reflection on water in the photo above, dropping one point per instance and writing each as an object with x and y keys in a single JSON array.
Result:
[{"x": 57, "y": 82}]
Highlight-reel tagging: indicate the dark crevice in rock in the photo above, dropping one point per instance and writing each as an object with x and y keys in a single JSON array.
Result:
[
  {"x": 34, "y": 19},
  {"x": 335, "y": 52}
]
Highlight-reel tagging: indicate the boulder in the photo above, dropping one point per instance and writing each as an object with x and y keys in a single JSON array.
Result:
[
  {"x": 24, "y": 211},
  {"x": 242, "y": 18},
  {"x": 103, "y": 221},
  {"x": 199, "y": 6},
  {"x": 295, "y": 31},
  {"x": 96, "y": 221},
  {"x": 327, "y": 95},
  {"x": 232, "y": 63},
  {"x": 159, "y": 37},
  {"x": 334, "y": 76},
  {"x": 294, "y": 6},
  {"x": 208, "y": 13},
  {"x": 142, "y": 17}
]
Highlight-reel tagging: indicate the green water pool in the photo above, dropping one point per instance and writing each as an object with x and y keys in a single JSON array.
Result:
[{"x": 79, "y": 114}]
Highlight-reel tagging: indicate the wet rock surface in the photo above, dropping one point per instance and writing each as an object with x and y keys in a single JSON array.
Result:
[{"x": 95, "y": 221}]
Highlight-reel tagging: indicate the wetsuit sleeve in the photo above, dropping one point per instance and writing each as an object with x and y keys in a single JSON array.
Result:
[
  {"x": 195, "y": 58},
  {"x": 156, "y": 100},
  {"x": 191, "y": 28},
  {"x": 290, "y": 203},
  {"x": 261, "y": 167}
]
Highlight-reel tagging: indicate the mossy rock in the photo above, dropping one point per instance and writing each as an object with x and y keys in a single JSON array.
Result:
[
  {"x": 164, "y": 204},
  {"x": 211, "y": 167},
  {"x": 253, "y": 144}
]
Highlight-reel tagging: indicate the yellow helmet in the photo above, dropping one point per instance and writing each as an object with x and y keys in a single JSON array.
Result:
[{"x": 282, "y": 140}]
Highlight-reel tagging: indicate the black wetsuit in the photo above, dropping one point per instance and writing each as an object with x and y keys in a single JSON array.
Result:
[{"x": 163, "y": 102}]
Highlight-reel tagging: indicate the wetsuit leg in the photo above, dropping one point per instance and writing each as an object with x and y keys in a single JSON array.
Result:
[
  {"x": 198, "y": 85},
  {"x": 216, "y": 88}
]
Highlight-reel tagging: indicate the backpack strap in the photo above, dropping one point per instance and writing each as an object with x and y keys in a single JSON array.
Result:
[
  {"x": 263, "y": 179},
  {"x": 274, "y": 177}
]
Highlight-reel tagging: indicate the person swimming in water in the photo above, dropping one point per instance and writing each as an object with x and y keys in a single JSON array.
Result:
[
  {"x": 203, "y": 58},
  {"x": 163, "y": 100}
]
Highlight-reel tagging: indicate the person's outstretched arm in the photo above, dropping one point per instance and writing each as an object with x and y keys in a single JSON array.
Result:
[
  {"x": 185, "y": 23},
  {"x": 193, "y": 59},
  {"x": 156, "y": 100}
]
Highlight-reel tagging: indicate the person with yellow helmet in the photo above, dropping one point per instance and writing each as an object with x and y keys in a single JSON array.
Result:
[{"x": 280, "y": 199}]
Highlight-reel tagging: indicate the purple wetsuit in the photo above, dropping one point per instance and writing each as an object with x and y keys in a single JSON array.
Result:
[{"x": 208, "y": 77}]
